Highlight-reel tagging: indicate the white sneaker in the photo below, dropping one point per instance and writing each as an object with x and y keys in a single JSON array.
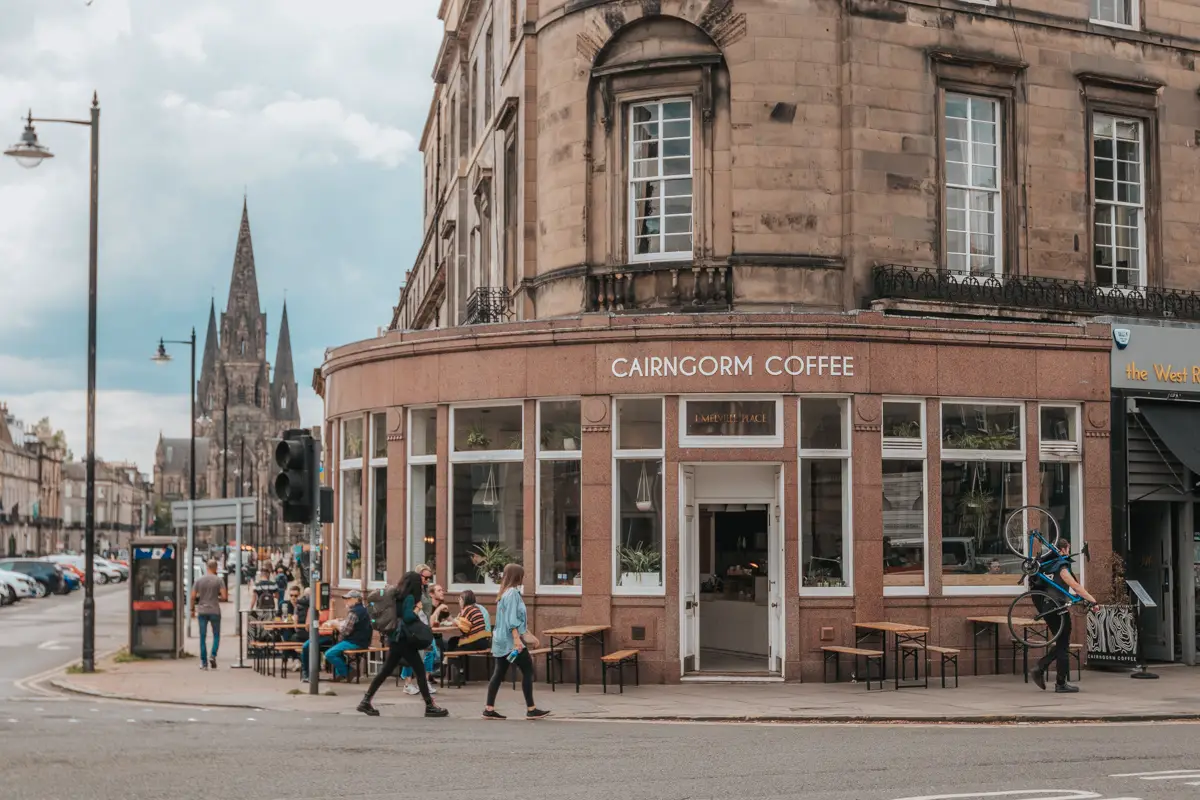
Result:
[
  {"x": 411, "y": 689},
  {"x": 432, "y": 689}
]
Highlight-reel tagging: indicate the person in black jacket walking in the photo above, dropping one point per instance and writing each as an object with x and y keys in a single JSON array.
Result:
[{"x": 401, "y": 651}]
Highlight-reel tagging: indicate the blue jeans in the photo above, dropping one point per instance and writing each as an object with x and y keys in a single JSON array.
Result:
[
  {"x": 324, "y": 640},
  {"x": 334, "y": 656},
  {"x": 430, "y": 657},
  {"x": 205, "y": 621}
]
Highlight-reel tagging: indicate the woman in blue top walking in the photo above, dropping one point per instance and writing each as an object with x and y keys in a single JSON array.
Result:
[{"x": 509, "y": 638}]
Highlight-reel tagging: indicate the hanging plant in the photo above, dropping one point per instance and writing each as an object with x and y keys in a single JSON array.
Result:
[
  {"x": 644, "y": 501},
  {"x": 477, "y": 438},
  {"x": 489, "y": 497}
]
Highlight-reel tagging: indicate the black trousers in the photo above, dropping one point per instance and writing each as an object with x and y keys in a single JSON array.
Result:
[
  {"x": 1059, "y": 653},
  {"x": 400, "y": 653},
  {"x": 525, "y": 662}
]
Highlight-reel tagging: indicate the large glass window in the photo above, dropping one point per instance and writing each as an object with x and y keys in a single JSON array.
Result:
[
  {"x": 478, "y": 430},
  {"x": 377, "y": 570},
  {"x": 660, "y": 180},
  {"x": 351, "y": 500},
  {"x": 905, "y": 522},
  {"x": 1061, "y": 473},
  {"x": 1119, "y": 13},
  {"x": 638, "y": 501},
  {"x": 825, "y": 542},
  {"x": 559, "y": 530},
  {"x": 422, "y": 487},
  {"x": 1119, "y": 195},
  {"x": 973, "y": 185}
]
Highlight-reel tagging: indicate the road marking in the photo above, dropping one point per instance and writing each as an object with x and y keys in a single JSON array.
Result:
[
  {"x": 1161, "y": 775},
  {"x": 52, "y": 645},
  {"x": 1021, "y": 794}
]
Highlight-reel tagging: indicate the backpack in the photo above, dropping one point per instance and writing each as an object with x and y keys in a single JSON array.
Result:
[{"x": 381, "y": 605}]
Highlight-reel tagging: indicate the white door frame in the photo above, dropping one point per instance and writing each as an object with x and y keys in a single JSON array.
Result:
[{"x": 689, "y": 562}]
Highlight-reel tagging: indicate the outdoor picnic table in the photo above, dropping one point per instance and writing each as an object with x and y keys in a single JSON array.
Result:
[
  {"x": 902, "y": 633},
  {"x": 991, "y": 625},
  {"x": 576, "y": 633}
]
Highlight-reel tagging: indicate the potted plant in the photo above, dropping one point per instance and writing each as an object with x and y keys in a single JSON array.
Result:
[
  {"x": 515, "y": 443},
  {"x": 905, "y": 430},
  {"x": 477, "y": 439},
  {"x": 490, "y": 559},
  {"x": 1112, "y": 631},
  {"x": 641, "y": 566},
  {"x": 570, "y": 436}
]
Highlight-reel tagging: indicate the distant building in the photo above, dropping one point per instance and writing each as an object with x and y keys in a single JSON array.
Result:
[
  {"x": 30, "y": 479},
  {"x": 123, "y": 500}
]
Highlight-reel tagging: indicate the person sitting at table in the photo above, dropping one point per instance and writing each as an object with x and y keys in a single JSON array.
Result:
[
  {"x": 356, "y": 632},
  {"x": 441, "y": 611},
  {"x": 473, "y": 621}
]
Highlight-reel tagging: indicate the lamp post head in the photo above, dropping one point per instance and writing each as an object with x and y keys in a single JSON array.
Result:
[
  {"x": 162, "y": 356},
  {"x": 28, "y": 152}
]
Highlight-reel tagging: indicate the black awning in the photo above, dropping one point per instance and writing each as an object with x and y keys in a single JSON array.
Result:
[{"x": 1178, "y": 425}]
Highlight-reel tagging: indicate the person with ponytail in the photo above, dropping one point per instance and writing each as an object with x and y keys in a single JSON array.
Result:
[{"x": 510, "y": 637}]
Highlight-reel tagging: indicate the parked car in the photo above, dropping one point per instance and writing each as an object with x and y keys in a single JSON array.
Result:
[
  {"x": 105, "y": 572},
  {"x": 46, "y": 573},
  {"x": 72, "y": 580},
  {"x": 15, "y": 586},
  {"x": 122, "y": 569}
]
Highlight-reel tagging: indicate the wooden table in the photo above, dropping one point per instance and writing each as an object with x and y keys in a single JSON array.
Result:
[
  {"x": 902, "y": 633},
  {"x": 576, "y": 634},
  {"x": 991, "y": 625}
]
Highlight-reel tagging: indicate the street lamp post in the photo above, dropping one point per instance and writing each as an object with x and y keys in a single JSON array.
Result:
[
  {"x": 29, "y": 153},
  {"x": 162, "y": 357}
]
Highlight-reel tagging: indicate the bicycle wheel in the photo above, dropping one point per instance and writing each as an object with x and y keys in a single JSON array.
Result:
[
  {"x": 1035, "y": 618},
  {"x": 1024, "y": 521}
]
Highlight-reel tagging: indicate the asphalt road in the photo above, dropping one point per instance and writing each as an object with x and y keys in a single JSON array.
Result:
[
  {"x": 132, "y": 752},
  {"x": 37, "y": 635}
]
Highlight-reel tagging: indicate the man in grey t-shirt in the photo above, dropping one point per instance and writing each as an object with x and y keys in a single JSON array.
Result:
[{"x": 207, "y": 595}]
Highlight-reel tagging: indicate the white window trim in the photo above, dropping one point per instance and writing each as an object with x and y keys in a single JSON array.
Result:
[
  {"x": 718, "y": 442},
  {"x": 344, "y": 465},
  {"x": 551, "y": 456},
  {"x": 918, "y": 453},
  {"x": 372, "y": 464},
  {"x": 950, "y": 454},
  {"x": 998, "y": 259},
  {"x": 843, "y": 454},
  {"x": 410, "y": 462},
  {"x": 1121, "y": 289},
  {"x": 1135, "y": 14},
  {"x": 1059, "y": 450},
  {"x": 631, "y": 227},
  {"x": 476, "y": 457},
  {"x": 615, "y": 496}
]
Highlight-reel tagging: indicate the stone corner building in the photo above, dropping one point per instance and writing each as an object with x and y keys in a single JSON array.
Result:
[
  {"x": 243, "y": 405},
  {"x": 788, "y": 308}
]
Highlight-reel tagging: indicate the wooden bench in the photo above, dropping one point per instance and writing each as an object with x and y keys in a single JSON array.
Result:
[
  {"x": 617, "y": 661},
  {"x": 458, "y": 663},
  {"x": 948, "y": 656},
  {"x": 283, "y": 649},
  {"x": 359, "y": 655},
  {"x": 834, "y": 653}
]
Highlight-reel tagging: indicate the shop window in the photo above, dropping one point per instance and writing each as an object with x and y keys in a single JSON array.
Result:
[
  {"x": 638, "y": 496},
  {"x": 479, "y": 431},
  {"x": 377, "y": 519},
  {"x": 422, "y": 487},
  {"x": 660, "y": 180},
  {"x": 825, "y": 541},
  {"x": 1119, "y": 198},
  {"x": 972, "y": 175},
  {"x": 905, "y": 518},
  {"x": 1059, "y": 432},
  {"x": 640, "y": 424},
  {"x": 1117, "y": 13},
  {"x": 487, "y": 520},
  {"x": 983, "y": 481},
  {"x": 731, "y": 422},
  {"x": 350, "y": 470},
  {"x": 559, "y": 495},
  {"x": 1061, "y": 473}
]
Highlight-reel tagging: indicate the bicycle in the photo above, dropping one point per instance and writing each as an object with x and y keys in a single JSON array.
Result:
[{"x": 1026, "y": 538}]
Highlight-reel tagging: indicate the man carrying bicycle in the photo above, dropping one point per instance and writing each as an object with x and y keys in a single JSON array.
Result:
[{"x": 1057, "y": 564}]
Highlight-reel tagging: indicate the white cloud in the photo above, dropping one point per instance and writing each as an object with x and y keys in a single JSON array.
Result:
[
  {"x": 185, "y": 39},
  {"x": 40, "y": 372}
]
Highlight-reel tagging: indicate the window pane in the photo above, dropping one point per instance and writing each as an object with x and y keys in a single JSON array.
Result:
[
  {"x": 652, "y": 159},
  {"x": 379, "y": 436},
  {"x": 351, "y": 527},
  {"x": 422, "y": 438},
  {"x": 639, "y": 537},
  {"x": 422, "y": 516},
  {"x": 352, "y": 438},
  {"x": 822, "y": 522},
  {"x": 639, "y": 424},
  {"x": 379, "y": 524},
  {"x": 966, "y": 426},
  {"x": 902, "y": 420},
  {"x": 488, "y": 520},
  {"x": 731, "y": 417},
  {"x": 822, "y": 426},
  {"x": 1058, "y": 496},
  {"x": 561, "y": 546},
  {"x": 1058, "y": 424},
  {"x": 560, "y": 425},
  {"x": 497, "y": 428},
  {"x": 903, "y": 523},
  {"x": 977, "y": 496},
  {"x": 678, "y": 243}
]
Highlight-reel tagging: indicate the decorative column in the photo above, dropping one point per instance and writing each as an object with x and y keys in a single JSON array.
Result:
[
  {"x": 445, "y": 441},
  {"x": 397, "y": 495},
  {"x": 596, "y": 505},
  {"x": 866, "y": 470}
]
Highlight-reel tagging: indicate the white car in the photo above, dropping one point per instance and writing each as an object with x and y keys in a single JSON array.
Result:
[
  {"x": 16, "y": 586},
  {"x": 105, "y": 572}
]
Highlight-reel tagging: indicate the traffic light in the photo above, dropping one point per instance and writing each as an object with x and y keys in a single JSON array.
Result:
[{"x": 296, "y": 455}]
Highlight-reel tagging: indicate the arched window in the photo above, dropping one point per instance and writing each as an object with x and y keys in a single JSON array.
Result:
[
  {"x": 242, "y": 394},
  {"x": 243, "y": 347},
  {"x": 283, "y": 401}
]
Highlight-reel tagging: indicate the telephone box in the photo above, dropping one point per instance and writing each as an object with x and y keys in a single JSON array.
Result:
[{"x": 156, "y": 597}]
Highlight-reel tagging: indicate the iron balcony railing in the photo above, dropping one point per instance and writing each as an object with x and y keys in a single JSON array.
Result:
[
  {"x": 489, "y": 304},
  {"x": 901, "y": 282}
]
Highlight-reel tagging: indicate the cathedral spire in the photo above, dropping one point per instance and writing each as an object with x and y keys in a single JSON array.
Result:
[
  {"x": 243, "y": 285},
  {"x": 209, "y": 365},
  {"x": 283, "y": 385}
]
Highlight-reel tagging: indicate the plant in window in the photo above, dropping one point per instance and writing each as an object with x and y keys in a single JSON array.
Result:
[
  {"x": 641, "y": 565},
  {"x": 477, "y": 438},
  {"x": 906, "y": 430},
  {"x": 490, "y": 559},
  {"x": 515, "y": 443}
]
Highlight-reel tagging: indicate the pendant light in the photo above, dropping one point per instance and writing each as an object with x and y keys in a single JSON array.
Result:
[{"x": 643, "y": 500}]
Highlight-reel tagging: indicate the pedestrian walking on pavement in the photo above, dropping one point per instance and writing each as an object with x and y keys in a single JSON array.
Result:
[
  {"x": 207, "y": 596},
  {"x": 408, "y": 639},
  {"x": 1058, "y": 562},
  {"x": 509, "y": 643}
]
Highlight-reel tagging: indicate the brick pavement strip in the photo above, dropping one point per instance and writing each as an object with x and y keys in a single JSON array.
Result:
[{"x": 1105, "y": 696}]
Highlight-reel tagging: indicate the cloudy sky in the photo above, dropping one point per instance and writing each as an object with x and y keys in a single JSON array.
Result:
[{"x": 313, "y": 109}]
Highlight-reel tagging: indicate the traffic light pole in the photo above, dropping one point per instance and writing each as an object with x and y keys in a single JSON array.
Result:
[{"x": 314, "y": 540}]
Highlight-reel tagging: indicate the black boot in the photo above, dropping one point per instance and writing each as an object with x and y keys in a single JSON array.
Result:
[
  {"x": 366, "y": 708},
  {"x": 436, "y": 711}
]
